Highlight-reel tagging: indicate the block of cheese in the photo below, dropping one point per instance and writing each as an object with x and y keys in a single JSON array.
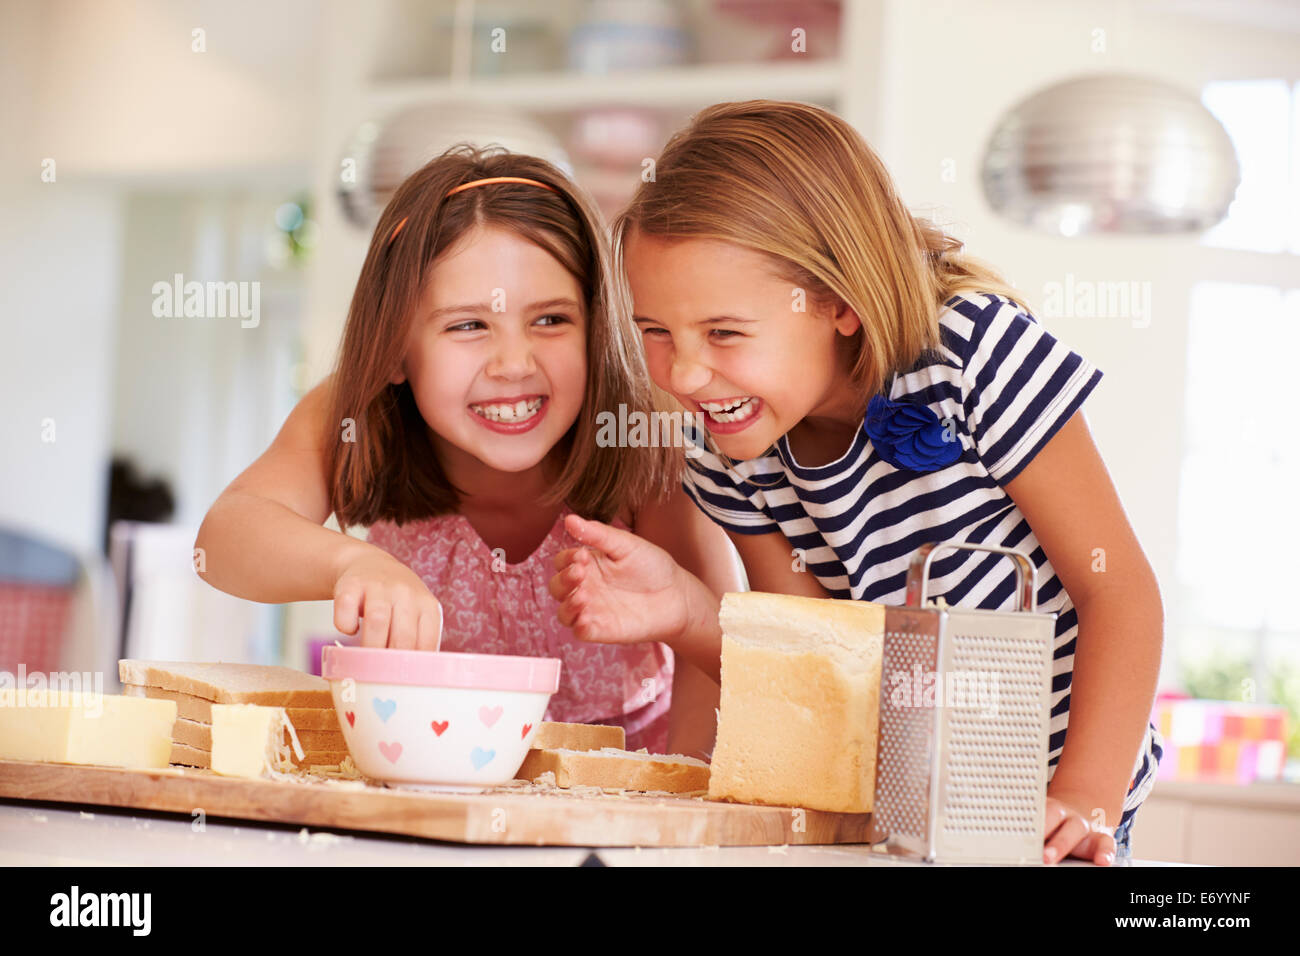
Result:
[
  {"x": 200, "y": 709},
  {"x": 198, "y": 734},
  {"x": 85, "y": 728},
  {"x": 610, "y": 767},
  {"x": 249, "y": 741},
  {"x": 556, "y": 736},
  {"x": 231, "y": 683},
  {"x": 800, "y": 702}
]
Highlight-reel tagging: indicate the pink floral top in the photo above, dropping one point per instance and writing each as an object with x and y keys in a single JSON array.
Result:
[{"x": 510, "y": 611}]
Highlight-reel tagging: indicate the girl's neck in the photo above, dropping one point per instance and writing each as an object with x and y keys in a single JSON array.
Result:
[
  {"x": 830, "y": 427},
  {"x": 487, "y": 490},
  {"x": 842, "y": 407}
]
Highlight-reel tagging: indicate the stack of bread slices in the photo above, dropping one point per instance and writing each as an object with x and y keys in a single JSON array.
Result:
[{"x": 205, "y": 694}]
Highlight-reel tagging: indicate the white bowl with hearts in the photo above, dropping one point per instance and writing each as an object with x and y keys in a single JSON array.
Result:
[{"x": 438, "y": 719}]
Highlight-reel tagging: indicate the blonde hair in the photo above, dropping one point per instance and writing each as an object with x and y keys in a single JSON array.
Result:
[
  {"x": 799, "y": 184},
  {"x": 390, "y": 471}
]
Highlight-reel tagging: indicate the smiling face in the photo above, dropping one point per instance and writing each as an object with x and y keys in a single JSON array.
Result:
[
  {"x": 722, "y": 334},
  {"x": 496, "y": 356}
]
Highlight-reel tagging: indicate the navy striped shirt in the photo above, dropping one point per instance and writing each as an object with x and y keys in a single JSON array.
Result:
[{"x": 1007, "y": 385}]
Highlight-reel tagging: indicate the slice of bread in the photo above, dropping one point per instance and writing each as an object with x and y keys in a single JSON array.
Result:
[
  {"x": 189, "y": 756},
  {"x": 556, "y": 736},
  {"x": 200, "y": 708},
  {"x": 619, "y": 769},
  {"x": 800, "y": 702},
  {"x": 231, "y": 683},
  {"x": 198, "y": 734}
]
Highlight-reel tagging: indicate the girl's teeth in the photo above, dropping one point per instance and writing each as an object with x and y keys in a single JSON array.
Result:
[
  {"x": 737, "y": 413},
  {"x": 518, "y": 412}
]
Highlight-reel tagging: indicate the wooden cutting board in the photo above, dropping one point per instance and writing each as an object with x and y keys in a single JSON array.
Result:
[{"x": 528, "y": 816}]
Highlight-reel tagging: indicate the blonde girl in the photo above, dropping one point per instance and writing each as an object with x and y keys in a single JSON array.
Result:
[{"x": 866, "y": 389}]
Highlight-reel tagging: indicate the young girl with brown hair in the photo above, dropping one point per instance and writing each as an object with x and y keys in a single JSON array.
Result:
[
  {"x": 867, "y": 388},
  {"x": 460, "y": 425}
]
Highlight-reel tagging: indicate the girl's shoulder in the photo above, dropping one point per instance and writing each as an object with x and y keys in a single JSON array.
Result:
[{"x": 970, "y": 320}]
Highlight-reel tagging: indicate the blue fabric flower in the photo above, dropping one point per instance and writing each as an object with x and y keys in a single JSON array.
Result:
[{"x": 909, "y": 436}]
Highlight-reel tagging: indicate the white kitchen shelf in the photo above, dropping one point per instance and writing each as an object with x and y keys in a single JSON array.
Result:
[{"x": 817, "y": 81}]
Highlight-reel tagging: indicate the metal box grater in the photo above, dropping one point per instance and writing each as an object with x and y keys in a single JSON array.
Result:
[{"x": 956, "y": 784}]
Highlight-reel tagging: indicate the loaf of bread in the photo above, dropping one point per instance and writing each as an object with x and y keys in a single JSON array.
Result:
[
  {"x": 619, "y": 769},
  {"x": 231, "y": 683},
  {"x": 556, "y": 736},
  {"x": 200, "y": 708},
  {"x": 800, "y": 702}
]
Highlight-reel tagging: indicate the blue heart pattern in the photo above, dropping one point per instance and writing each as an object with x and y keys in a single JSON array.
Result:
[
  {"x": 480, "y": 758},
  {"x": 384, "y": 708}
]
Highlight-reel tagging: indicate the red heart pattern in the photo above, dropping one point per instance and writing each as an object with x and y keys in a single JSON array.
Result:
[{"x": 488, "y": 715}]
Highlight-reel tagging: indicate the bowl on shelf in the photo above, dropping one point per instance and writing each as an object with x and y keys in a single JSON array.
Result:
[{"x": 436, "y": 719}]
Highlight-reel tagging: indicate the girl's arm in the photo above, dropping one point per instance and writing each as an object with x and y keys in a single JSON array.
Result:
[
  {"x": 1070, "y": 502},
  {"x": 263, "y": 540},
  {"x": 773, "y": 566},
  {"x": 700, "y": 548}
]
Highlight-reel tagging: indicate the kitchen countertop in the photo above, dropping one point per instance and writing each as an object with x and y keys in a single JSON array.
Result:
[{"x": 46, "y": 834}]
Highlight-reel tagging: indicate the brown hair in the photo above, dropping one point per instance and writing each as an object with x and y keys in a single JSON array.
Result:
[
  {"x": 799, "y": 184},
  {"x": 390, "y": 471}
]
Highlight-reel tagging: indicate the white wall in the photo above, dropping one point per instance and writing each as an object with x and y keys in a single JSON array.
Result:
[
  {"x": 197, "y": 399},
  {"x": 166, "y": 160},
  {"x": 122, "y": 93},
  {"x": 59, "y": 245},
  {"x": 60, "y": 256}
]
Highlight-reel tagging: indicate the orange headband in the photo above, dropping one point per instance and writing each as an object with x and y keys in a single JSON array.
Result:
[{"x": 471, "y": 185}]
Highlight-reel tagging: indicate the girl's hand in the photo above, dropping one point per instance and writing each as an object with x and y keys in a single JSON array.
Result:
[
  {"x": 1074, "y": 827},
  {"x": 619, "y": 588},
  {"x": 388, "y": 601}
]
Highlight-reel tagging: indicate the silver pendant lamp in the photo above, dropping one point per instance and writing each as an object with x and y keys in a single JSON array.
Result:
[{"x": 1111, "y": 154}]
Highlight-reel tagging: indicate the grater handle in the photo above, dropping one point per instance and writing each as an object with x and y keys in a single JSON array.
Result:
[{"x": 918, "y": 572}]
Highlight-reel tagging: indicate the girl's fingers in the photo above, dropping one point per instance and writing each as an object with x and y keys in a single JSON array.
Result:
[
  {"x": 403, "y": 632},
  {"x": 571, "y": 609},
  {"x": 1098, "y": 847},
  {"x": 561, "y": 584},
  {"x": 614, "y": 542},
  {"x": 1065, "y": 839},
  {"x": 426, "y": 631},
  {"x": 564, "y": 614},
  {"x": 438, "y": 621},
  {"x": 347, "y": 605},
  {"x": 375, "y": 617}
]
